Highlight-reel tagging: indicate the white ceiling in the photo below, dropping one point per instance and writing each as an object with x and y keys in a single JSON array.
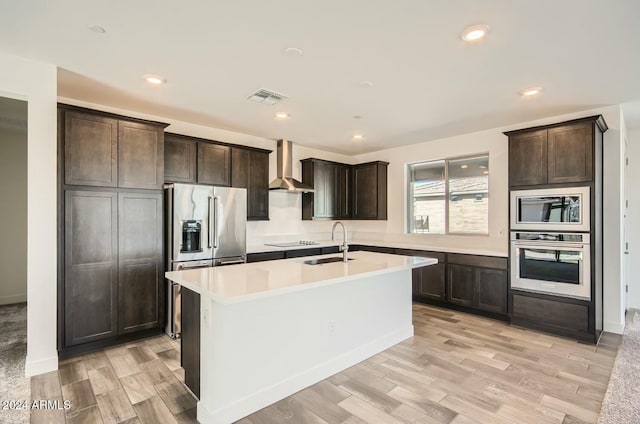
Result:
[{"x": 428, "y": 83}]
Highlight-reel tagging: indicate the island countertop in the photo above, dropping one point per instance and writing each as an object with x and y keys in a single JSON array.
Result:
[{"x": 244, "y": 282}]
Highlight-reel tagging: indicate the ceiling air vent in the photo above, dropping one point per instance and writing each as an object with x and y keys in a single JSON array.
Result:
[{"x": 267, "y": 97}]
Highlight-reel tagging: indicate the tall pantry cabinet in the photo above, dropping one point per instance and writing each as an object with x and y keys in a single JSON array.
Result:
[{"x": 110, "y": 172}]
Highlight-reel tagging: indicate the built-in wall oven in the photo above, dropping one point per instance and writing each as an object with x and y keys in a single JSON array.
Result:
[
  {"x": 551, "y": 263},
  {"x": 554, "y": 209}
]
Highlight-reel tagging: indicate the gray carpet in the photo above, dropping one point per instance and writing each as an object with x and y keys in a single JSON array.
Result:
[
  {"x": 13, "y": 350},
  {"x": 621, "y": 404}
]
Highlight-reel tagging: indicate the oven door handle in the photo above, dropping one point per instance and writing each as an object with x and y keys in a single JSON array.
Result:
[{"x": 550, "y": 246}]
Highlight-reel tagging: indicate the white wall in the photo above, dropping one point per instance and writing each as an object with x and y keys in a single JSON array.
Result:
[
  {"x": 13, "y": 208},
  {"x": 633, "y": 218},
  {"x": 36, "y": 82}
]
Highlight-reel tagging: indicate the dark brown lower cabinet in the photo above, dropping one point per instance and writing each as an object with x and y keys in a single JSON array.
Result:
[
  {"x": 91, "y": 266},
  {"x": 476, "y": 287},
  {"x": 492, "y": 290},
  {"x": 429, "y": 282},
  {"x": 113, "y": 268},
  {"x": 140, "y": 261},
  {"x": 190, "y": 339},
  {"x": 462, "y": 286}
]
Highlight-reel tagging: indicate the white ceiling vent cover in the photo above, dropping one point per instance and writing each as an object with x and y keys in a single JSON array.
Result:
[{"x": 267, "y": 97}]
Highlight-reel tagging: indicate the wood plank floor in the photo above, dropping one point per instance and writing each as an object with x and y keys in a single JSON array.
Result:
[{"x": 458, "y": 368}]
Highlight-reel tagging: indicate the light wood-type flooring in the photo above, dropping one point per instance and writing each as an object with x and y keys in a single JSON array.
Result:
[{"x": 458, "y": 368}]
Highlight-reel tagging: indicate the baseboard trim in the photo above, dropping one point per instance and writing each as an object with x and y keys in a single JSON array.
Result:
[
  {"x": 613, "y": 327},
  {"x": 16, "y": 298},
  {"x": 40, "y": 366},
  {"x": 295, "y": 383}
]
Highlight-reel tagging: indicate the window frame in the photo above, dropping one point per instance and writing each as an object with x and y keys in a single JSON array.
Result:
[{"x": 410, "y": 196}]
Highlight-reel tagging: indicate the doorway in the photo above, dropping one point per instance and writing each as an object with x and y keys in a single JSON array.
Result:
[{"x": 13, "y": 257}]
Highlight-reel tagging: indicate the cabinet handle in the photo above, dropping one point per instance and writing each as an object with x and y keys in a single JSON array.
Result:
[
  {"x": 209, "y": 223},
  {"x": 215, "y": 222}
]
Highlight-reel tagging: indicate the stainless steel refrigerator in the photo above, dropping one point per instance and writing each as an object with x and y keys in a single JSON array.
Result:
[{"x": 206, "y": 226}]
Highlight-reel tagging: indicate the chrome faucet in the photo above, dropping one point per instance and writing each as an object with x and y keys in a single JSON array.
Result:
[{"x": 344, "y": 247}]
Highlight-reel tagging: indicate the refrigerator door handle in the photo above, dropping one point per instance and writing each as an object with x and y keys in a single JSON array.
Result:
[
  {"x": 215, "y": 222},
  {"x": 209, "y": 223}
]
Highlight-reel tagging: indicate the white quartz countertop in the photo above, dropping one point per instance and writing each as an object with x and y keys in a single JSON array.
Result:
[
  {"x": 244, "y": 282},
  {"x": 469, "y": 250}
]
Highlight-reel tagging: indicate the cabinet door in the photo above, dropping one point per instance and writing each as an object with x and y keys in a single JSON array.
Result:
[
  {"x": 431, "y": 282},
  {"x": 90, "y": 266},
  {"x": 342, "y": 194},
  {"x": 179, "y": 160},
  {"x": 462, "y": 286},
  {"x": 492, "y": 290},
  {"x": 240, "y": 168},
  {"x": 528, "y": 158},
  {"x": 140, "y": 155},
  {"x": 140, "y": 261},
  {"x": 90, "y": 150},
  {"x": 258, "y": 186},
  {"x": 214, "y": 164},
  {"x": 325, "y": 180},
  {"x": 365, "y": 191},
  {"x": 570, "y": 154}
]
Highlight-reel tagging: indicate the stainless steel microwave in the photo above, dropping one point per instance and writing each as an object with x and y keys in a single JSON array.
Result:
[{"x": 556, "y": 209}]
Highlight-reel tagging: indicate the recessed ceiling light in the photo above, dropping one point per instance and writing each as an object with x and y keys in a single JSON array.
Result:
[
  {"x": 293, "y": 51},
  {"x": 475, "y": 32},
  {"x": 97, "y": 29},
  {"x": 464, "y": 166},
  {"x": 358, "y": 137},
  {"x": 365, "y": 84},
  {"x": 282, "y": 115},
  {"x": 153, "y": 79},
  {"x": 485, "y": 172},
  {"x": 528, "y": 92}
]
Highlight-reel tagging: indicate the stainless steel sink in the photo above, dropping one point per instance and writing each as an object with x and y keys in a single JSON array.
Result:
[{"x": 324, "y": 260}]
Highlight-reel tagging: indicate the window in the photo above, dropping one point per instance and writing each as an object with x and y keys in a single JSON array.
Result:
[{"x": 449, "y": 196}]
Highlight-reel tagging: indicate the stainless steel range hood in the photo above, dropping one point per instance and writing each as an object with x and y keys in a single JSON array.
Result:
[{"x": 284, "y": 180}]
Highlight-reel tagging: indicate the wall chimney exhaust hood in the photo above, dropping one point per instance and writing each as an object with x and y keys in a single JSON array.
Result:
[{"x": 284, "y": 180}]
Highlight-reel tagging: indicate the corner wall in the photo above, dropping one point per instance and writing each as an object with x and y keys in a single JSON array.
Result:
[{"x": 36, "y": 82}]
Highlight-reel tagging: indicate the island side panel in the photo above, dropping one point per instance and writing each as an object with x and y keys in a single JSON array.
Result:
[
  {"x": 288, "y": 342},
  {"x": 190, "y": 339}
]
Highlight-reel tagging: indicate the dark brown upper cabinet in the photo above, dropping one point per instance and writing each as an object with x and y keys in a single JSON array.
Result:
[
  {"x": 554, "y": 154},
  {"x": 322, "y": 176},
  {"x": 369, "y": 190},
  {"x": 528, "y": 158},
  {"x": 90, "y": 150},
  {"x": 570, "y": 151},
  {"x": 196, "y": 160},
  {"x": 214, "y": 164},
  {"x": 250, "y": 170},
  {"x": 106, "y": 150},
  {"x": 344, "y": 191},
  {"x": 258, "y": 190},
  {"x": 139, "y": 261},
  {"x": 90, "y": 266},
  {"x": 140, "y": 155},
  {"x": 179, "y": 159}
]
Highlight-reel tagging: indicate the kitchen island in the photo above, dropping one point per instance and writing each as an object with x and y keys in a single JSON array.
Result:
[{"x": 270, "y": 329}]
